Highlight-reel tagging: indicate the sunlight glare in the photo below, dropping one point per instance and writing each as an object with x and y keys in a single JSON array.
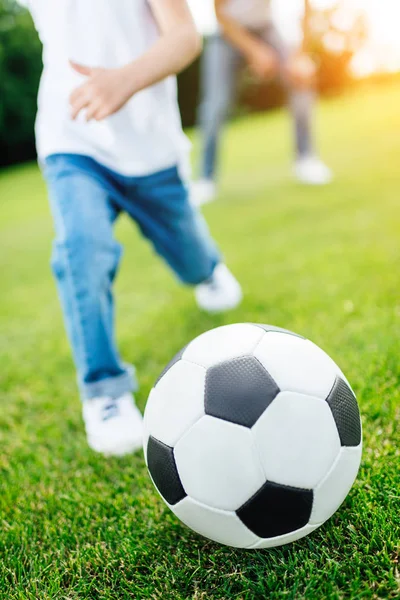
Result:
[{"x": 382, "y": 51}]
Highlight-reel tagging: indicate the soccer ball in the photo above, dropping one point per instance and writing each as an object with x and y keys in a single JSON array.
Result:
[{"x": 252, "y": 436}]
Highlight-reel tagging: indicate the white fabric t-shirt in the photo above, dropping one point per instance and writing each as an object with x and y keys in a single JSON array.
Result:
[
  {"x": 250, "y": 13},
  {"x": 146, "y": 135}
]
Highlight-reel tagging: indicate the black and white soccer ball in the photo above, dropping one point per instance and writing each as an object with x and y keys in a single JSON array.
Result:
[{"x": 252, "y": 436}]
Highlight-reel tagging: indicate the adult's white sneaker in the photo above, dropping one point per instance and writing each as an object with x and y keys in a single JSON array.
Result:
[
  {"x": 203, "y": 192},
  {"x": 220, "y": 293},
  {"x": 114, "y": 427},
  {"x": 312, "y": 171}
]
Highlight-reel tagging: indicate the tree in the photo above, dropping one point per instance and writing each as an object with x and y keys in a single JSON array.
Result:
[
  {"x": 333, "y": 37},
  {"x": 20, "y": 68}
]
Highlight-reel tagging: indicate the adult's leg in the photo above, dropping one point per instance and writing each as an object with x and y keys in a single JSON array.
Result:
[
  {"x": 300, "y": 101},
  {"x": 218, "y": 69},
  {"x": 85, "y": 261}
]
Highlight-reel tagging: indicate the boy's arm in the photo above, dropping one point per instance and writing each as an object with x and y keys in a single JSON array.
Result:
[
  {"x": 261, "y": 58},
  {"x": 107, "y": 90}
]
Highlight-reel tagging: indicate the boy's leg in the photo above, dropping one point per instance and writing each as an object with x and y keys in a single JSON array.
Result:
[
  {"x": 160, "y": 205},
  {"x": 85, "y": 261},
  {"x": 218, "y": 69}
]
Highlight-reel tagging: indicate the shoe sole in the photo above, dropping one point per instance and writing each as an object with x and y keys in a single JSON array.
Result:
[
  {"x": 122, "y": 450},
  {"x": 222, "y": 309}
]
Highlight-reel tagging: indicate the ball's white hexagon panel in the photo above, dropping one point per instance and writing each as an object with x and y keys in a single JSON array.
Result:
[
  {"x": 176, "y": 403},
  {"x": 220, "y": 526},
  {"x": 297, "y": 440},
  {"x": 333, "y": 489},
  {"x": 296, "y": 364},
  {"x": 338, "y": 370},
  {"x": 218, "y": 463},
  {"x": 223, "y": 343},
  {"x": 284, "y": 539}
]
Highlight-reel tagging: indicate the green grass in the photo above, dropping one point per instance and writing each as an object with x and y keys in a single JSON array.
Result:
[{"x": 323, "y": 262}]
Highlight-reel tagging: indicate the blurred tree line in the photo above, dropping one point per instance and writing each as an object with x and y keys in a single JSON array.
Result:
[
  {"x": 20, "y": 67},
  {"x": 332, "y": 36}
]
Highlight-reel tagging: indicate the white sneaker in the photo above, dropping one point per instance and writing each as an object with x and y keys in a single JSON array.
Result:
[
  {"x": 202, "y": 192},
  {"x": 312, "y": 171},
  {"x": 113, "y": 427},
  {"x": 220, "y": 293}
]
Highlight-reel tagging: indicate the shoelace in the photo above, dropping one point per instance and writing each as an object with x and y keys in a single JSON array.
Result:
[
  {"x": 211, "y": 283},
  {"x": 110, "y": 411}
]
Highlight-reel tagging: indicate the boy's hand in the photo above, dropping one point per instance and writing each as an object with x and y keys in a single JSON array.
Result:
[
  {"x": 301, "y": 70},
  {"x": 104, "y": 93},
  {"x": 263, "y": 61}
]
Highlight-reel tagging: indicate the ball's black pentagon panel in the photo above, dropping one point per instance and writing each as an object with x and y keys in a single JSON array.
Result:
[
  {"x": 276, "y": 509},
  {"x": 346, "y": 413},
  {"x": 171, "y": 363},
  {"x": 269, "y": 328},
  {"x": 162, "y": 468},
  {"x": 239, "y": 390}
]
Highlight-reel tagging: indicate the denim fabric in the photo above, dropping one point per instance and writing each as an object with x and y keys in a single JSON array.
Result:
[
  {"x": 86, "y": 199},
  {"x": 220, "y": 63}
]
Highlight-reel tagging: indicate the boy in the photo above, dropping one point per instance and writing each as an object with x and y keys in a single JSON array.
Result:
[
  {"x": 248, "y": 35},
  {"x": 109, "y": 139}
]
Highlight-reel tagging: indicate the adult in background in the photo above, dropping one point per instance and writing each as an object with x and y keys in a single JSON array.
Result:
[{"x": 248, "y": 35}]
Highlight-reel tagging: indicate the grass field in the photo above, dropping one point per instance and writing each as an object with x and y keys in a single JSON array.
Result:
[{"x": 323, "y": 262}]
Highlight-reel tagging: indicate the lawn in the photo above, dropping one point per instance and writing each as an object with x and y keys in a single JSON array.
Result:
[{"x": 322, "y": 262}]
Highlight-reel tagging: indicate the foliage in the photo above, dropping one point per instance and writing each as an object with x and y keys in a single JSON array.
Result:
[
  {"x": 333, "y": 37},
  {"x": 323, "y": 262},
  {"x": 189, "y": 93},
  {"x": 20, "y": 66}
]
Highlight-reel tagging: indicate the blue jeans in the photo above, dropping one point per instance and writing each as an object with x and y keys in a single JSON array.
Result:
[
  {"x": 86, "y": 199},
  {"x": 220, "y": 63}
]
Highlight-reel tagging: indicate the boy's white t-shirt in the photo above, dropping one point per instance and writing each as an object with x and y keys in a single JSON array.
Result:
[{"x": 146, "y": 135}]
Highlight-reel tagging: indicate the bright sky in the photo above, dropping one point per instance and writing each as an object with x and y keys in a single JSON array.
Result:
[{"x": 382, "y": 51}]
